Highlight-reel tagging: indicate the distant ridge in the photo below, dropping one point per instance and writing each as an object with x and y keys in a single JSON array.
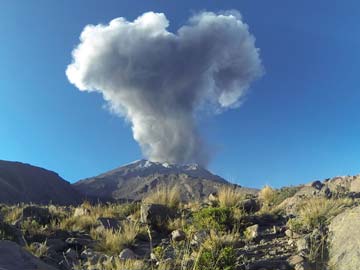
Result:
[
  {"x": 134, "y": 180},
  {"x": 20, "y": 182}
]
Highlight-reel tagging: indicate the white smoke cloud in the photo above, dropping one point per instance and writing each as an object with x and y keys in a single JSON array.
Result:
[{"x": 160, "y": 80}]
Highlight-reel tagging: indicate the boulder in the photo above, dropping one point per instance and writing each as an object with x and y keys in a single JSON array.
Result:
[
  {"x": 156, "y": 214},
  {"x": 344, "y": 244},
  {"x": 34, "y": 213},
  {"x": 249, "y": 205},
  {"x": 317, "y": 185},
  {"x": 14, "y": 257},
  {"x": 127, "y": 254}
]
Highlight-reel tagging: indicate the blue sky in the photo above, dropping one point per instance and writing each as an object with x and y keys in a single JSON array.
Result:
[{"x": 299, "y": 121}]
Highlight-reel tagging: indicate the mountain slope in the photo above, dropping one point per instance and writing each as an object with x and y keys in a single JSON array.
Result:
[
  {"x": 133, "y": 181},
  {"x": 21, "y": 182}
]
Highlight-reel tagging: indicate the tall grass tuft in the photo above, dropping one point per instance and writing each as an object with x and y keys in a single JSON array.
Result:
[
  {"x": 114, "y": 241},
  {"x": 229, "y": 196},
  {"x": 165, "y": 195}
]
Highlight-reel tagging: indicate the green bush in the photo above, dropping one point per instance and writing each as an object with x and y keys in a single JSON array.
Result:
[
  {"x": 217, "y": 259},
  {"x": 219, "y": 219}
]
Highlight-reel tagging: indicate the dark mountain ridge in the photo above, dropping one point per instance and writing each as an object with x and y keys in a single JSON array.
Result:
[{"x": 20, "y": 182}]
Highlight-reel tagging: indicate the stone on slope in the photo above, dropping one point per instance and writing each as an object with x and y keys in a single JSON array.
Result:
[
  {"x": 344, "y": 244},
  {"x": 156, "y": 214},
  {"x": 14, "y": 257},
  {"x": 34, "y": 213}
]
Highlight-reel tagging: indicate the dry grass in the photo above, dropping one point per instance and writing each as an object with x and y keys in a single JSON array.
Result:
[
  {"x": 113, "y": 263},
  {"x": 113, "y": 242},
  {"x": 229, "y": 196},
  {"x": 12, "y": 214},
  {"x": 38, "y": 249},
  {"x": 318, "y": 211},
  {"x": 165, "y": 195},
  {"x": 267, "y": 195},
  {"x": 80, "y": 223}
]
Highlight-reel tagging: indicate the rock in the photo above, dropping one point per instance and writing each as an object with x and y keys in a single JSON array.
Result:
[
  {"x": 12, "y": 233},
  {"x": 213, "y": 199},
  {"x": 252, "y": 232},
  {"x": 127, "y": 254},
  {"x": 79, "y": 243},
  {"x": 317, "y": 185},
  {"x": 178, "y": 235},
  {"x": 296, "y": 259},
  {"x": 56, "y": 245},
  {"x": 14, "y": 257},
  {"x": 34, "y": 213},
  {"x": 92, "y": 256},
  {"x": 302, "y": 244},
  {"x": 344, "y": 244},
  {"x": 81, "y": 211},
  {"x": 109, "y": 223},
  {"x": 249, "y": 205},
  {"x": 156, "y": 214}
]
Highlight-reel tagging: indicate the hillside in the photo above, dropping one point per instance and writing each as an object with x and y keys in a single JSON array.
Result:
[
  {"x": 133, "y": 181},
  {"x": 20, "y": 182}
]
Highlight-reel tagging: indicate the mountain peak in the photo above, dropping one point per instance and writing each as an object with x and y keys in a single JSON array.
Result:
[
  {"x": 144, "y": 163},
  {"x": 134, "y": 180}
]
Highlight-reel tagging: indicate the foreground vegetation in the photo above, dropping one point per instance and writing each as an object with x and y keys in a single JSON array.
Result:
[{"x": 223, "y": 232}]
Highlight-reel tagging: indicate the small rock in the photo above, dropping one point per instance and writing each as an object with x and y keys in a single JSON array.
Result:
[
  {"x": 178, "y": 235},
  {"x": 213, "y": 199},
  {"x": 296, "y": 259},
  {"x": 127, "y": 254},
  {"x": 302, "y": 244},
  {"x": 252, "y": 232}
]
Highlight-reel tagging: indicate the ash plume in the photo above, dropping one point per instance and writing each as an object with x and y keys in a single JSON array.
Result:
[{"x": 160, "y": 81}]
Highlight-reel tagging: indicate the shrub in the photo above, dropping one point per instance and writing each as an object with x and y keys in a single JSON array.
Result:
[
  {"x": 229, "y": 196},
  {"x": 165, "y": 195},
  {"x": 267, "y": 195},
  {"x": 316, "y": 212},
  {"x": 214, "y": 255},
  {"x": 219, "y": 219}
]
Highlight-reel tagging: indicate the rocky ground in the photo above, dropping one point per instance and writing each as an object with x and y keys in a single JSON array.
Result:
[{"x": 298, "y": 228}]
